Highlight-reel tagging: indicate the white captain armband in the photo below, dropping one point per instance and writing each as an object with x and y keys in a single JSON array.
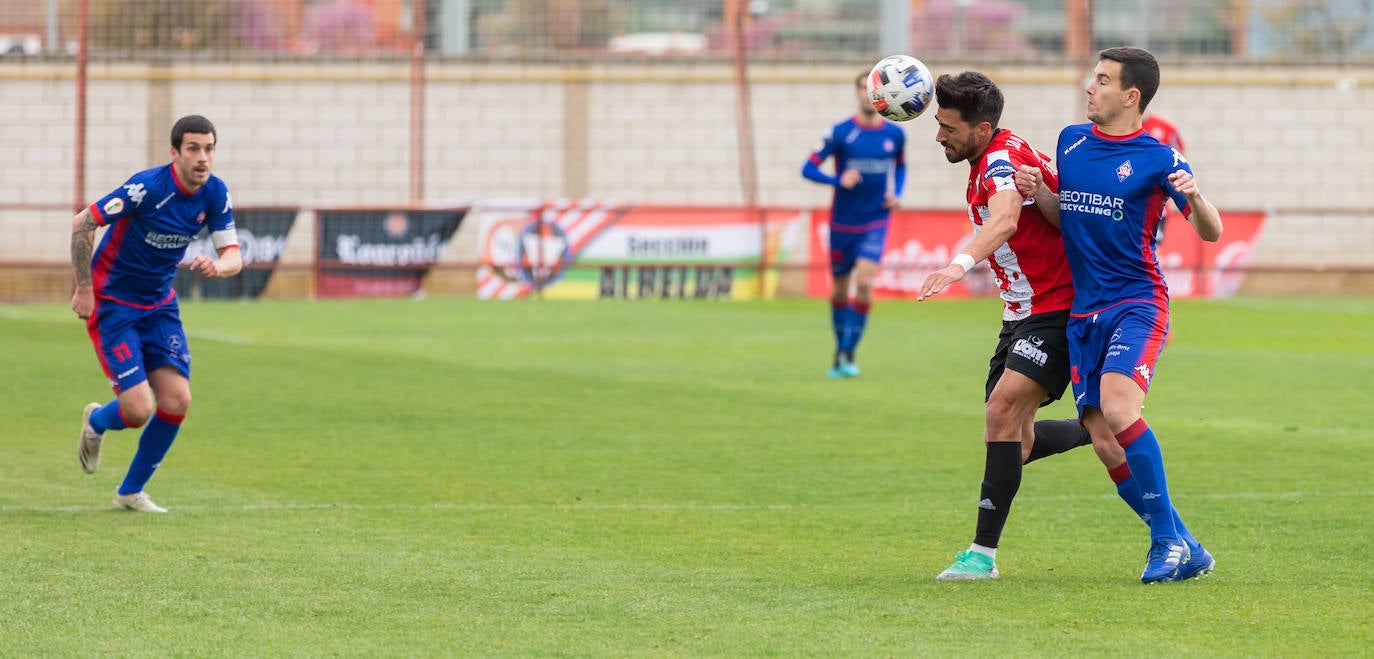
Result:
[{"x": 226, "y": 238}]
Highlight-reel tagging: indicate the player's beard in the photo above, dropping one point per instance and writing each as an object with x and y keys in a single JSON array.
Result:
[{"x": 953, "y": 153}]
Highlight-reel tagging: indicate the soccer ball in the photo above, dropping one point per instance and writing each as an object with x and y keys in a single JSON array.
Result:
[{"x": 900, "y": 87}]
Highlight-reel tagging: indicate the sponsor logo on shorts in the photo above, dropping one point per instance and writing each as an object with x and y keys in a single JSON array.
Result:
[
  {"x": 1025, "y": 349},
  {"x": 127, "y": 373}
]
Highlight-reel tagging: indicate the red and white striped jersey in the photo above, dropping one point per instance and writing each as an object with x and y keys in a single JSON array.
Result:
[{"x": 1031, "y": 269}]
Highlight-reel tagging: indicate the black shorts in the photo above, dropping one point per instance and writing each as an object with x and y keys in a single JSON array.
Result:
[{"x": 1037, "y": 348}]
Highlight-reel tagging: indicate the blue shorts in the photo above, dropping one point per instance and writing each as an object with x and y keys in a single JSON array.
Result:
[
  {"x": 846, "y": 248},
  {"x": 1126, "y": 339},
  {"x": 131, "y": 341}
]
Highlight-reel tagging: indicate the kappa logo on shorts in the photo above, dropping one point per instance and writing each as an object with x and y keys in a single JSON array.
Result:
[{"x": 1144, "y": 371}]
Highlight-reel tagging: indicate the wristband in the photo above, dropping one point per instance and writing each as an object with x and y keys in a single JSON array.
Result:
[{"x": 964, "y": 261}]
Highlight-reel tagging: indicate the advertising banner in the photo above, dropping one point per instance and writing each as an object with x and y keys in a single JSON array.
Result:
[
  {"x": 589, "y": 250},
  {"x": 380, "y": 253},
  {"x": 1194, "y": 268},
  {"x": 262, "y": 237},
  {"x": 921, "y": 242}
]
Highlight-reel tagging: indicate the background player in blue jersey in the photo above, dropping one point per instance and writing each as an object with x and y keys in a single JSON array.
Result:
[
  {"x": 124, "y": 293},
  {"x": 870, "y": 174},
  {"x": 1114, "y": 182}
]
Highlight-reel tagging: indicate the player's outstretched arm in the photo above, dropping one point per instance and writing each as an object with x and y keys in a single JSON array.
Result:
[
  {"x": 1005, "y": 211},
  {"x": 1031, "y": 184},
  {"x": 83, "y": 243},
  {"x": 1204, "y": 217}
]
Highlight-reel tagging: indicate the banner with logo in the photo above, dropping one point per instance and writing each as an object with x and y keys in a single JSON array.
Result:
[
  {"x": 590, "y": 249},
  {"x": 921, "y": 242},
  {"x": 262, "y": 237},
  {"x": 1195, "y": 268},
  {"x": 380, "y": 253},
  {"x": 918, "y": 243}
]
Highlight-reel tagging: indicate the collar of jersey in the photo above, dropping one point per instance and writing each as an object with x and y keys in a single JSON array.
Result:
[
  {"x": 176, "y": 180},
  {"x": 1116, "y": 138}
]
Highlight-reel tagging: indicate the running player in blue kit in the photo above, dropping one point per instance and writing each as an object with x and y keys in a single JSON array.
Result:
[
  {"x": 1114, "y": 182},
  {"x": 124, "y": 293},
  {"x": 870, "y": 174}
]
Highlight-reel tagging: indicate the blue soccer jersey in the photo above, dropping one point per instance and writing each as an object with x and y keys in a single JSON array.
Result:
[
  {"x": 876, "y": 153},
  {"x": 152, "y": 218},
  {"x": 1112, "y": 196}
]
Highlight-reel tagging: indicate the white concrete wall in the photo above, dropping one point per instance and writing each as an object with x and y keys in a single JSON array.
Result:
[{"x": 1299, "y": 141}]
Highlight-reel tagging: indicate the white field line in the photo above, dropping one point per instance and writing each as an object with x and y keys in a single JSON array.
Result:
[{"x": 650, "y": 507}]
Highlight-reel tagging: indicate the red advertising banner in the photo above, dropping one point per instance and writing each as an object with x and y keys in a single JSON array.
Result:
[
  {"x": 1195, "y": 268},
  {"x": 921, "y": 242}
]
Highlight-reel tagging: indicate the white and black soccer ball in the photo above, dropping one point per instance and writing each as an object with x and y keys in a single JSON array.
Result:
[{"x": 900, "y": 87}]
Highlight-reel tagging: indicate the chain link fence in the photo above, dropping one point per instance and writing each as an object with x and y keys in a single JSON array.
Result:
[{"x": 1265, "y": 31}]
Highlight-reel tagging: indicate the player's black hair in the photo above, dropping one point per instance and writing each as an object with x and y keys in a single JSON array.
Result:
[
  {"x": 973, "y": 94},
  {"x": 191, "y": 123},
  {"x": 1139, "y": 69},
  {"x": 862, "y": 80}
]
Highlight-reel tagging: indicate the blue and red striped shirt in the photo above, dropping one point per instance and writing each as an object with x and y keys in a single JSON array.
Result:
[{"x": 1112, "y": 194}]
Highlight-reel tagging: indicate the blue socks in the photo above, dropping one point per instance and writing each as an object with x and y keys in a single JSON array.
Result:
[
  {"x": 848, "y": 320},
  {"x": 107, "y": 417},
  {"x": 1147, "y": 470},
  {"x": 858, "y": 319},
  {"x": 839, "y": 320},
  {"x": 157, "y": 437}
]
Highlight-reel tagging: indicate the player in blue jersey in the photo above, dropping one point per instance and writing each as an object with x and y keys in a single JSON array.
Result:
[
  {"x": 1030, "y": 365},
  {"x": 124, "y": 293},
  {"x": 870, "y": 172},
  {"x": 1114, "y": 182}
]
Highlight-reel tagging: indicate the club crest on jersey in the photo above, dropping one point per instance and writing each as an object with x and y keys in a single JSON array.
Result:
[
  {"x": 200, "y": 217},
  {"x": 1123, "y": 171},
  {"x": 888, "y": 146}
]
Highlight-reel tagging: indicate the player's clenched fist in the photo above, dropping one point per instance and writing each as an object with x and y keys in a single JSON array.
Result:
[{"x": 1027, "y": 180}]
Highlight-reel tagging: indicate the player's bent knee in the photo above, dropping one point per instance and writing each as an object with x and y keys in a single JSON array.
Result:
[
  {"x": 134, "y": 416},
  {"x": 176, "y": 404}
]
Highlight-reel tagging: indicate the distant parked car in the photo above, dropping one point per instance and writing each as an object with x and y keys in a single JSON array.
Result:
[{"x": 20, "y": 44}]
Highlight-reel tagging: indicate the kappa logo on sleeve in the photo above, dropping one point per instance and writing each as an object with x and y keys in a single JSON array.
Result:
[{"x": 136, "y": 192}]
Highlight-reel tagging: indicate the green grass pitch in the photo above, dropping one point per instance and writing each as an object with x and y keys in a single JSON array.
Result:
[{"x": 455, "y": 477}]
